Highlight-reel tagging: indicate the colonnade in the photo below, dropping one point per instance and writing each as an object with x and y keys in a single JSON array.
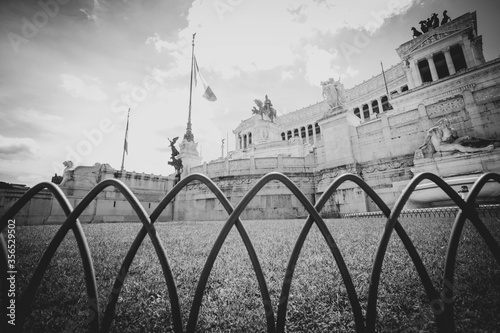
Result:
[{"x": 308, "y": 133}]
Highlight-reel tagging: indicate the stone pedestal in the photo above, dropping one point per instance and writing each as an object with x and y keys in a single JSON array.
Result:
[
  {"x": 189, "y": 156},
  {"x": 265, "y": 131},
  {"x": 337, "y": 131}
]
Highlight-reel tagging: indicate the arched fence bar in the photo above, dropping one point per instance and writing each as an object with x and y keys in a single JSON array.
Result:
[{"x": 441, "y": 297}]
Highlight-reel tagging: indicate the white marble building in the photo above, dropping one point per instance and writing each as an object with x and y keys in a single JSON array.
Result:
[{"x": 373, "y": 129}]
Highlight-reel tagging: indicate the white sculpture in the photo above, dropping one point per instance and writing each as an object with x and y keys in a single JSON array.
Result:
[
  {"x": 444, "y": 138},
  {"x": 67, "y": 173},
  {"x": 333, "y": 92}
]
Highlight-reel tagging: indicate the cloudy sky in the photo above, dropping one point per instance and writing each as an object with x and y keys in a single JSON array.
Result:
[{"x": 70, "y": 69}]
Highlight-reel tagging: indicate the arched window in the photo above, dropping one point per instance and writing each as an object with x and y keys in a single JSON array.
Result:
[
  {"x": 357, "y": 113},
  {"x": 404, "y": 88},
  {"x": 425, "y": 71},
  {"x": 244, "y": 141},
  {"x": 375, "y": 107},
  {"x": 310, "y": 132},
  {"x": 366, "y": 111},
  {"x": 296, "y": 132},
  {"x": 385, "y": 103},
  {"x": 302, "y": 132},
  {"x": 457, "y": 55},
  {"x": 288, "y": 135},
  {"x": 249, "y": 139},
  {"x": 317, "y": 131},
  {"x": 283, "y": 136}
]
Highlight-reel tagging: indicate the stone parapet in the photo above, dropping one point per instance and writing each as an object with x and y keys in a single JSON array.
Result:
[{"x": 256, "y": 166}]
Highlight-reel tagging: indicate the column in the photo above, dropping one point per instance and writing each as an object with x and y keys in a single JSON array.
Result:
[
  {"x": 432, "y": 67},
  {"x": 468, "y": 53},
  {"x": 307, "y": 133},
  {"x": 314, "y": 134},
  {"x": 362, "y": 114},
  {"x": 416, "y": 74},
  {"x": 370, "y": 107},
  {"x": 449, "y": 61},
  {"x": 380, "y": 108},
  {"x": 408, "y": 74}
]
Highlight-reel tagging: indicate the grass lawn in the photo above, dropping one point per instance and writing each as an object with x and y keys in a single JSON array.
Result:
[{"x": 232, "y": 302}]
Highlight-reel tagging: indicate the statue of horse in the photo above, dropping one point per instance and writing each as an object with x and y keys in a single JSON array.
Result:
[{"x": 265, "y": 108}]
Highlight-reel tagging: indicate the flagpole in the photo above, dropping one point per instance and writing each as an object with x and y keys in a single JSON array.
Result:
[
  {"x": 386, "y": 89},
  {"x": 125, "y": 143},
  {"x": 189, "y": 134}
]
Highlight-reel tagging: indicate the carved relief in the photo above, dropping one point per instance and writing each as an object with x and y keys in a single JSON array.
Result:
[
  {"x": 309, "y": 112},
  {"x": 443, "y": 108},
  {"x": 387, "y": 166},
  {"x": 266, "y": 163},
  {"x": 403, "y": 118},
  {"x": 371, "y": 127},
  {"x": 484, "y": 95},
  {"x": 239, "y": 165},
  {"x": 293, "y": 162}
]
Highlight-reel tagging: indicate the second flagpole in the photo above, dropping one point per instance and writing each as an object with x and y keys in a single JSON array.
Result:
[
  {"x": 125, "y": 141},
  {"x": 189, "y": 133}
]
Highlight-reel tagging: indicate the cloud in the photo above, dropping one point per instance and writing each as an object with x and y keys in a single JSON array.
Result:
[
  {"x": 319, "y": 64},
  {"x": 78, "y": 88},
  {"x": 351, "y": 72},
  {"x": 286, "y": 75},
  {"x": 17, "y": 147},
  {"x": 240, "y": 36},
  {"x": 161, "y": 45}
]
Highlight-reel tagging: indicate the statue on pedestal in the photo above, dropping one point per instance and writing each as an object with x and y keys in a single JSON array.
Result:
[
  {"x": 444, "y": 138},
  {"x": 67, "y": 173},
  {"x": 265, "y": 108},
  {"x": 176, "y": 161},
  {"x": 333, "y": 92}
]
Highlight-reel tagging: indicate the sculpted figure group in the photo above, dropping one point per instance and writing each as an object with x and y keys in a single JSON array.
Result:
[
  {"x": 333, "y": 92},
  {"x": 265, "y": 108},
  {"x": 444, "y": 138},
  {"x": 175, "y": 160},
  {"x": 430, "y": 23}
]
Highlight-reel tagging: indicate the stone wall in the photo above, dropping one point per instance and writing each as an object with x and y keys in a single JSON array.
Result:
[
  {"x": 35, "y": 212},
  {"x": 256, "y": 166},
  {"x": 273, "y": 201}
]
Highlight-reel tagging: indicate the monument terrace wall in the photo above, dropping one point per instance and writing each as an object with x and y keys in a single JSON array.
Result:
[
  {"x": 36, "y": 211},
  {"x": 256, "y": 166},
  {"x": 236, "y": 177},
  {"x": 109, "y": 206},
  {"x": 273, "y": 201}
]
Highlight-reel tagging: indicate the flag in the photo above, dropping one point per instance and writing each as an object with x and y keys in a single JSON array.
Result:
[
  {"x": 125, "y": 143},
  {"x": 207, "y": 91}
]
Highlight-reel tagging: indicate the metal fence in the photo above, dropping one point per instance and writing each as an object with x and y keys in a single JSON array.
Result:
[
  {"x": 441, "y": 299},
  {"x": 492, "y": 210}
]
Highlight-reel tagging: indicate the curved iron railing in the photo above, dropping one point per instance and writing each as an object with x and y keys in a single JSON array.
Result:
[
  {"x": 441, "y": 301},
  {"x": 489, "y": 210}
]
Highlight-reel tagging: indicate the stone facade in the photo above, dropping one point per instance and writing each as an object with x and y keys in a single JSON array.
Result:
[{"x": 373, "y": 133}]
